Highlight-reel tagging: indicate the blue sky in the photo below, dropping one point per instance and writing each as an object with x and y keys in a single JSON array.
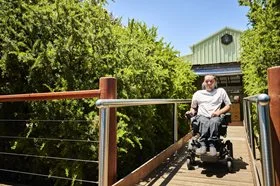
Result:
[{"x": 183, "y": 23}]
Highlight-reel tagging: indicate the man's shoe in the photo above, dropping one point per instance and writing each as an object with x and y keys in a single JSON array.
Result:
[
  {"x": 190, "y": 144},
  {"x": 201, "y": 150},
  {"x": 212, "y": 151}
]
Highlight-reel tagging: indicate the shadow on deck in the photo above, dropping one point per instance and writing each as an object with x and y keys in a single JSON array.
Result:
[{"x": 174, "y": 171}]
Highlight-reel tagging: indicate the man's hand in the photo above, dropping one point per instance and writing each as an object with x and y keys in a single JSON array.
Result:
[
  {"x": 189, "y": 114},
  {"x": 216, "y": 114}
]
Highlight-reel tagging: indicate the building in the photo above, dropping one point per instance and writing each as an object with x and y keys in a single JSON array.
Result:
[{"x": 219, "y": 54}]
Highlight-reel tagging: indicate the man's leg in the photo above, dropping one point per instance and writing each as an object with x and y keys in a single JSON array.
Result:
[
  {"x": 204, "y": 133},
  {"x": 203, "y": 127},
  {"x": 214, "y": 124}
]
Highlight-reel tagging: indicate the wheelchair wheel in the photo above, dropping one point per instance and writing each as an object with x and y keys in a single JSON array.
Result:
[
  {"x": 229, "y": 148},
  {"x": 229, "y": 165}
]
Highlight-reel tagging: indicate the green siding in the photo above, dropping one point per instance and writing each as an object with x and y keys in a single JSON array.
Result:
[{"x": 212, "y": 51}]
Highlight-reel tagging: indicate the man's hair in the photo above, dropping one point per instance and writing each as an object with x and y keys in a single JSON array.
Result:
[
  {"x": 215, "y": 86},
  {"x": 211, "y": 75}
]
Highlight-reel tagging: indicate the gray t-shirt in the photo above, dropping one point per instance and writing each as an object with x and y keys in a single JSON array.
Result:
[{"x": 208, "y": 102}]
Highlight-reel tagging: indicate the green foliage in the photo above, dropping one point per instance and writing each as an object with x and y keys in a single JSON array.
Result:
[
  {"x": 60, "y": 45},
  {"x": 147, "y": 68},
  {"x": 260, "y": 45},
  {"x": 260, "y": 49},
  {"x": 55, "y": 46}
]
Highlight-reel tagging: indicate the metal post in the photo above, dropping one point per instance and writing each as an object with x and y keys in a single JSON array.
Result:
[
  {"x": 108, "y": 88},
  {"x": 103, "y": 146},
  {"x": 245, "y": 110},
  {"x": 251, "y": 130},
  {"x": 175, "y": 123},
  {"x": 267, "y": 158},
  {"x": 246, "y": 118}
]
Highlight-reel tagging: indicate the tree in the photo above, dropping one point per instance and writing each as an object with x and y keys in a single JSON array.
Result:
[
  {"x": 147, "y": 68},
  {"x": 54, "y": 46},
  {"x": 59, "y": 45},
  {"x": 260, "y": 48},
  {"x": 260, "y": 44}
]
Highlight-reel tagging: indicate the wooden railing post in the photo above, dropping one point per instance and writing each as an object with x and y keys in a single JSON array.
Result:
[
  {"x": 274, "y": 94},
  {"x": 108, "y": 88}
]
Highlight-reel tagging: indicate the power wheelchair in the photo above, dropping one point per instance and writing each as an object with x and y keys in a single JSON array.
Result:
[{"x": 224, "y": 149}]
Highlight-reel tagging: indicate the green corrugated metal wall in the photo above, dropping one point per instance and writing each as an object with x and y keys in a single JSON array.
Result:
[{"x": 211, "y": 50}]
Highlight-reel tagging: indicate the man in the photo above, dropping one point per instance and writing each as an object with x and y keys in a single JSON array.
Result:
[{"x": 206, "y": 105}]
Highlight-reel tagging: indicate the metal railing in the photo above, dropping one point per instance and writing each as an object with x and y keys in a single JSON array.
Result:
[
  {"x": 262, "y": 101},
  {"x": 105, "y": 105},
  {"x": 107, "y": 89}
]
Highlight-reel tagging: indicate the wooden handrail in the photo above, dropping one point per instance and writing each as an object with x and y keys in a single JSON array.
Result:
[{"x": 50, "y": 96}]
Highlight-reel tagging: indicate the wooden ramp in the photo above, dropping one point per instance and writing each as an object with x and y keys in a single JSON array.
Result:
[{"x": 175, "y": 172}]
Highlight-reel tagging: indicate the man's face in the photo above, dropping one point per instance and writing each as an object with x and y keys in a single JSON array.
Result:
[{"x": 209, "y": 82}]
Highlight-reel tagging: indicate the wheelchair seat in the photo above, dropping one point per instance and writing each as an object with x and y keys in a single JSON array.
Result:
[{"x": 222, "y": 130}]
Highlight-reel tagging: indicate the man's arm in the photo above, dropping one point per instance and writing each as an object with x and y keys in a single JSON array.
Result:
[
  {"x": 193, "y": 111},
  {"x": 221, "y": 111},
  {"x": 190, "y": 113},
  {"x": 224, "y": 109}
]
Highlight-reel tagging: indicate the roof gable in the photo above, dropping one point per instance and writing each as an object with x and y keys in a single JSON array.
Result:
[
  {"x": 220, "y": 47},
  {"x": 215, "y": 34}
]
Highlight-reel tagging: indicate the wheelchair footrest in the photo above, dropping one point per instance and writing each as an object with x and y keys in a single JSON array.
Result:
[{"x": 207, "y": 158}]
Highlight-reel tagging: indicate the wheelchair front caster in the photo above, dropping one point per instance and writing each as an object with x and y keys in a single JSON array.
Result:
[
  {"x": 229, "y": 165},
  {"x": 189, "y": 162},
  {"x": 229, "y": 148}
]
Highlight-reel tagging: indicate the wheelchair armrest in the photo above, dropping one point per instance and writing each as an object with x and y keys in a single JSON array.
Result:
[{"x": 226, "y": 117}]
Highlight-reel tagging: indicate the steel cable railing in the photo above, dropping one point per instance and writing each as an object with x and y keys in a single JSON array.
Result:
[
  {"x": 48, "y": 176},
  {"x": 47, "y": 139},
  {"x": 7, "y": 142}
]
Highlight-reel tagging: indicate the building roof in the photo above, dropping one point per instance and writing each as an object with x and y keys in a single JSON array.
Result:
[
  {"x": 214, "y": 34},
  {"x": 218, "y": 70}
]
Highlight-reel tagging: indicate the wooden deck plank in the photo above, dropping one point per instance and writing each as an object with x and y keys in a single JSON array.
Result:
[{"x": 176, "y": 172}]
